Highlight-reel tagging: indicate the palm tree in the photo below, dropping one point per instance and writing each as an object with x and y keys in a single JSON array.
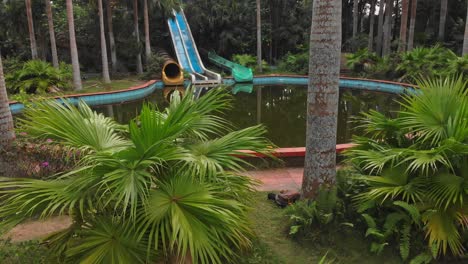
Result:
[
  {"x": 147, "y": 30},
  {"x": 323, "y": 92},
  {"x": 32, "y": 35},
  {"x": 53, "y": 45},
  {"x": 465, "y": 39},
  {"x": 137, "y": 35},
  {"x": 419, "y": 158},
  {"x": 380, "y": 27},
  {"x": 370, "y": 44},
  {"x": 73, "y": 48},
  {"x": 355, "y": 17},
  {"x": 105, "y": 62},
  {"x": 259, "y": 36},
  {"x": 113, "y": 49},
  {"x": 7, "y": 133},
  {"x": 167, "y": 185},
  {"x": 443, "y": 18},
  {"x": 414, "y": 6},
  {"x": 387, "y": 30},
  {"x": 404, "y": 25}
]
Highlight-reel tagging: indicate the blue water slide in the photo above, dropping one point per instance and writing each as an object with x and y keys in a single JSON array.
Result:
[
  {"x": 186, "y": 51},
  {"x": 178, "y": 45},
  {"x": 189, "y": 44}
]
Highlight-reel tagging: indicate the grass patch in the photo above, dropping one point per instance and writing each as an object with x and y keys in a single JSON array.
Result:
[
  {"x": 274, "y": 245},
  {"x": 97, "y": 85}
]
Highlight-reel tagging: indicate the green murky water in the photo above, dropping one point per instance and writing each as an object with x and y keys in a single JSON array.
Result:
[{"x": 281, "y": 108}]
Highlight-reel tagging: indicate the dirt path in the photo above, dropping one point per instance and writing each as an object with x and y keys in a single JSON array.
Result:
[{"x": 38, "y": 229}]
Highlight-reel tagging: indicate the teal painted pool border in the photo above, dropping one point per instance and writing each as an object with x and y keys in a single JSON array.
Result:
[{"x": 140, "y": 92}]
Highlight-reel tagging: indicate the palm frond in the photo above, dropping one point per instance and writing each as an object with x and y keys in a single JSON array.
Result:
[
  {"x": 210, "y": 157},
  {"x": 107, "y": 240},
  {"x": 187, "y": 217},
  {"x": 78, "y": 127}
]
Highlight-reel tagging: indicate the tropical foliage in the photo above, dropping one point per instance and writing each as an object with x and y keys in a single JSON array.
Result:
[
  {"x": 415, "y": 168},
  {"x": 38, "y": 76},
  {"x": 167, "y": 186},
  {"x": 430, "y": 62}
]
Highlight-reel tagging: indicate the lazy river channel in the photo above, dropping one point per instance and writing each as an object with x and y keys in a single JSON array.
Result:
[{"x": 281, "y": 108}]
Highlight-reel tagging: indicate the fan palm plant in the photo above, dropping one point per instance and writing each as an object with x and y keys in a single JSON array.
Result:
[
  {"x": 421, "y": 158},
  {"x": 167, "y": 186}
]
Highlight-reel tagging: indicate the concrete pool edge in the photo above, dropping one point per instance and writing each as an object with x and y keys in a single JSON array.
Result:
[{"x": 143, "y": 90}]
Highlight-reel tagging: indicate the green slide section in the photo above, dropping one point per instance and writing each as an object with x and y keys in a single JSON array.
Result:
[{"x": 239, "y": 72}]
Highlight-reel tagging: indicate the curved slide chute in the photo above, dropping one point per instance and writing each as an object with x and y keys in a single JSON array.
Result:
[
  {"x": 239, "y": 73},
  {"x": 171, "y": 71},
  {"x": 187, "y": 52}
]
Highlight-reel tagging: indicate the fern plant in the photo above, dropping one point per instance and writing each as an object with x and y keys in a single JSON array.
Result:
[
  {"x": 323, "y": 212},
  {"x": 36, "y": 77}
]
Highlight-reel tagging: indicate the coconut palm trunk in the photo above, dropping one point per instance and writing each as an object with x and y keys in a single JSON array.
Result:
[
  {"x": 322, "y": 99},
  {"x": 465, "y": 39},
  {"x": 73, "y": 48},
  {"x": 355, "y": 17},
  {"x": 53, "y": 45},
  {"x": 380, "y": 27},
  {"x": 113, "y": 49},
  {"x": 259, "y": 36},
  {"x": 414, "y": 6},
  {"x": 387, "y": 31},
  {"x": 32, "y": 34},
  {"x": 147, "y": 31},
  {"x": 137, "y": 35},
  {"x": 404, "y": 25},
  {"x": 7, "y": 132},
  {"x": 370, "y": 44},
  {"x": 443, "y": 19},
  {"x": 105, "y": 62}
]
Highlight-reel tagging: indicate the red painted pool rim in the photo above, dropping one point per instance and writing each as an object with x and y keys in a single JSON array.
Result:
[{"x": 290, "y": 152}]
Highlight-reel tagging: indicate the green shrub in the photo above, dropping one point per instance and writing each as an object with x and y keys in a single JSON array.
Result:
[
  {"x": 427, "y": 62},
  {"x": 153, "y": 67},
  {"x": 295, "y": 63},
  {"x": 249, "y": 61},
  {"x": 38, "y": 76},
  {"x": 326, "y": 211},
  {"x": 30, "y": 252},
  {"x": 362, "y": 60},
  {"x": 418, "y": 160}
]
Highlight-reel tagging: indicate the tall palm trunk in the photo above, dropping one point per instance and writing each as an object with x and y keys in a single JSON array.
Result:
[
  {"x": 355, "y": 17},
  {"x": 443, "y": 18},
  {"x": 53, "y": 45},
  {"x": 404, "y": 25},
  {"x": 73, "y": 48},
  {"x": 32, "y": 34},
  {"x": 465, "y": 39},
  {"x": 259, "y": 36},
  {"x": 105, "y": 62},
  {"x": 370, "y": 44},
  {"x": 137, "y": 35},
  {"x": 387, "y": 37},
  {"x": 322, "y": 100},
  {"x": 380, "y": 27},
  {"x": 113, "y": 49},
  {"x": 414, "y": 6},
  {"x": 147, "y": 31},
  {"x": 7, "y": 132}
]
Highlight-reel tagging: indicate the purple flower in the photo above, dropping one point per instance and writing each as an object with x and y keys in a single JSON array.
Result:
[
  {"x": 49, "y": 140},
  {"x": 45, "y": 164}
]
